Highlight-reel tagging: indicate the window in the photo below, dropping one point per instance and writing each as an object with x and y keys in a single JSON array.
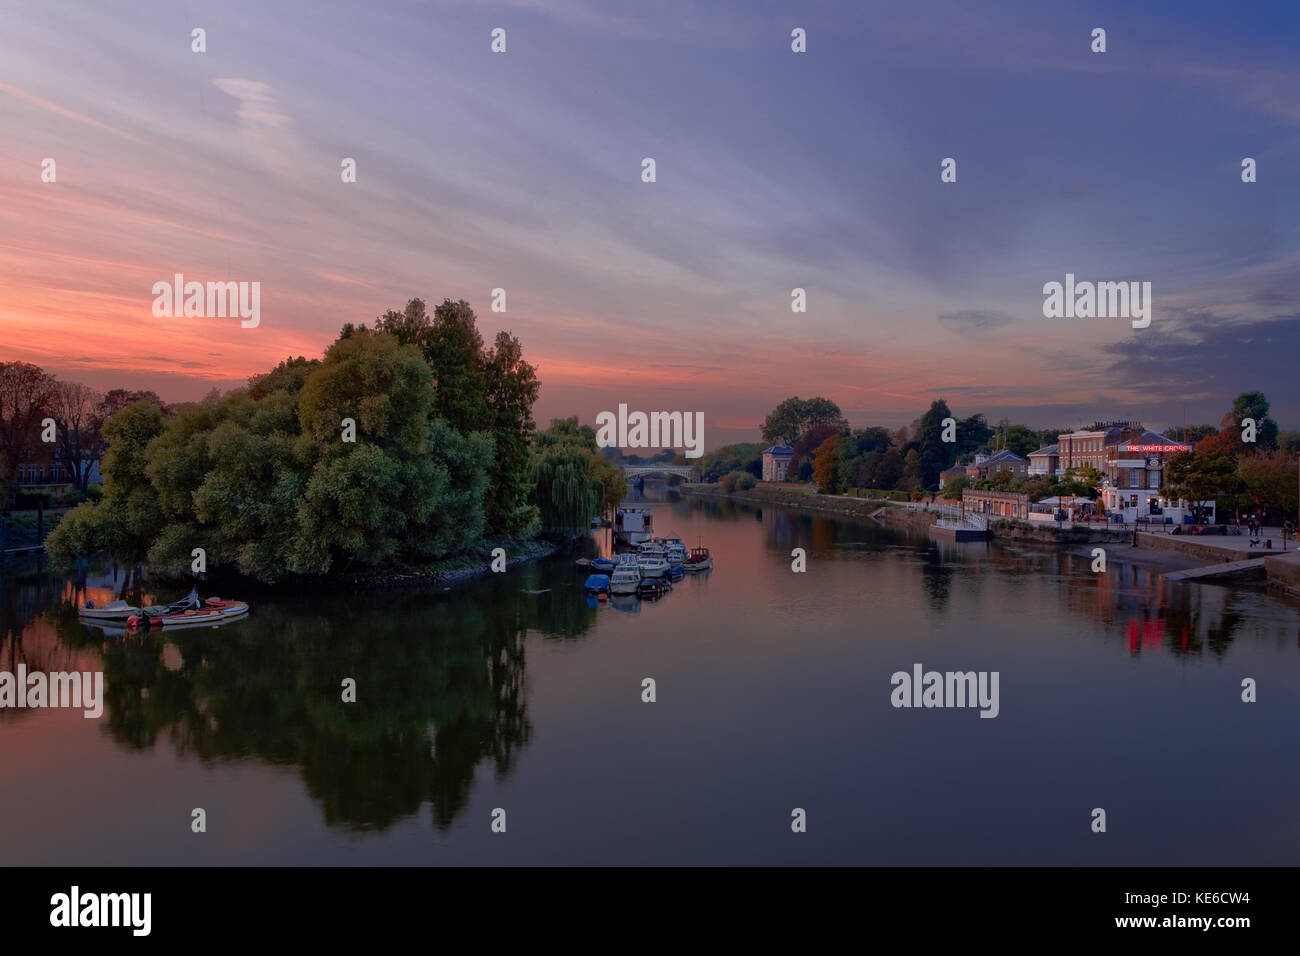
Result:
[{"x": 1133, "y": 475}]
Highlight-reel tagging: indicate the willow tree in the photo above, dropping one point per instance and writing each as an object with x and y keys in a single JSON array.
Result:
[{"x": 566, "y": 490}]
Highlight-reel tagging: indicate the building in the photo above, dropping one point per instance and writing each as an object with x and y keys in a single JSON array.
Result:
[
  {"x": 996, "y": 504},
  {"x": 51, "y": 475},
  {"x": 1086, "y": 448},
  {"x": 948, "y": 474},
  {"x": 776, "y": 462},
  {"x": 1003, "y": 461},
  {"x": 1045, "y": 461},
  {"x": 1134, "y": 473}
]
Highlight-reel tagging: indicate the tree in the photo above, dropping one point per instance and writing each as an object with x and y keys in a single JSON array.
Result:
[
  {"x": 1199, "y": 476},
  {"x": 794, "y": 416},
  {"x": 952, "y": 488},
  {"x": 477, "y": 389},
  {"x": 1268, "y": 482},
  {"x": 890, "y": 470},
  {"x": 410, "y": 483},
  {"x": 805, "y": 449},
  {"x": 1228, "y": 440},
  {"x": 973, "y": 434},
  {"x": 116, "y": 399},
  {"x": 566, "y": 491},
  {"x": 911, "y": 471},
  {"x": 1191, "y": 434},
  {"x": 26, "y": 394},
  {"x": 129, "y": 517},
  {"x": 1020, "y": 439},
  {"x": 512, "y": 389},
  {"x": 731, "y": 458},
  {"x": 76, "y": 412},
  {"x": 571, "y": 482},
  {"x": 826, "y": 465},
  {"x": 936, "y": 455}
]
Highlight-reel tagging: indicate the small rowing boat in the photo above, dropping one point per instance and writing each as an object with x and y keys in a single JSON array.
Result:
[
  {"x": 120, "y": 610},
  {"x": 212, "y": 611}
]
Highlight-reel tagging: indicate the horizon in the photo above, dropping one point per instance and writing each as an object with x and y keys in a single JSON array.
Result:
[{"x": 775, "y": 171}]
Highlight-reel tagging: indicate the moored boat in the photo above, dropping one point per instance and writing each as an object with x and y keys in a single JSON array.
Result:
[
  {"x": 651, "y": 562},
  {"x": 653, "y": 587},
  {"x": 633, "y": 525},
  {"x": 625, "y": 580},
  {"x": 597, "y": 582},
  {"x": 212, "y": 611},
  {"x": 120, "y": 610},
  {"x": 699, "y": 560},
  {"x": 602, "y": 565}
]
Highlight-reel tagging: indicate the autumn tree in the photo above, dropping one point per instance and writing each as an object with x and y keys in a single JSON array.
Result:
[{"x": 826, "y": 464}]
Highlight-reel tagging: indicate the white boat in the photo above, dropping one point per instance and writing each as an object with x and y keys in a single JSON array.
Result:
[
  {"x": 120, "y": 610},
  {"x": 633, "y": 525},
  {"x": 112, "y": 611},
  {"x": 625, "y": 580},
  {"x": 651, "y": 561},
  {"x": 675, "y": 554}
]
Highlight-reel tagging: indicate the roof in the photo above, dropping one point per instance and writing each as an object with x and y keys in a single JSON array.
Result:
[
  {"x": 1005, "y": 454},
  {"x": 779, "y": 450},
  {"x": 1150, "y": 438},
  {"x": 1046, "y": 450}
]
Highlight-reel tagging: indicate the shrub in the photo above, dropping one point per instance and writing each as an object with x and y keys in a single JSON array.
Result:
[{"x": 738, "y": 481}]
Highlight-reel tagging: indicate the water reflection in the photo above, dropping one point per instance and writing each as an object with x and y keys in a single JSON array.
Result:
[
  {"x": 440, "y": 680},
  {"x": 444, "y": 685}
]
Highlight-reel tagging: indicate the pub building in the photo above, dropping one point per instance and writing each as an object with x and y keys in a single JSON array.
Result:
[{"x": 1133, "y": 472}]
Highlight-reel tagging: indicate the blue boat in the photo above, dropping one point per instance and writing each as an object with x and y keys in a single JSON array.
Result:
[
  {"x": 597, "y": 582},
  {"x": 603, "y": 565},
  {"x": 676, "y": 572}
]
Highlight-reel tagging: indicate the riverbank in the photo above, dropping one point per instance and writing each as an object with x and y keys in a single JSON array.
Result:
[
  {"x": 787, "y": 497},
  {"x": 444, "y": 572},
  {"x": 1078, "y": 541}
]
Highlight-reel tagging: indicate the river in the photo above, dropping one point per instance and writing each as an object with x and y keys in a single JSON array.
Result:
[{"x": 509, "y": 692}]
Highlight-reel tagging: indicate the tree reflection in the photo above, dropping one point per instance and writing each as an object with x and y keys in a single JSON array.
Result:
[{"x": 440, "y": 678}]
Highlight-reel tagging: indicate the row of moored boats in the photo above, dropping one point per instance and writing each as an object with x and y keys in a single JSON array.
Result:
[{"x": 649, "y": 568}]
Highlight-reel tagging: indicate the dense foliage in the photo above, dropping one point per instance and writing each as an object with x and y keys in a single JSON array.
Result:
[
  {"x": 572, "y": 483},
  {"x": 403, "y": 444}
]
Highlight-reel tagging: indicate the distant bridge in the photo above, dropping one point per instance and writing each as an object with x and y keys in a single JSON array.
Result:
[{"x": 641, "y": 471}]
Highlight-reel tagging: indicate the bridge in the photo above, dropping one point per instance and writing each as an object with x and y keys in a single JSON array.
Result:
[{"x": 641, "y": 471}]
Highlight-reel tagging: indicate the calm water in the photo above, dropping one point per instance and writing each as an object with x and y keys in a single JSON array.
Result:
[{"x": 1119, "y": 691}]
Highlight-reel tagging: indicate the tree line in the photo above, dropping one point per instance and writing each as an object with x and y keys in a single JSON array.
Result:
[
  {"x": 45, "y": 421},
  {"x": 404, "y": 443},
  {"x": 1222, "y": 465}
]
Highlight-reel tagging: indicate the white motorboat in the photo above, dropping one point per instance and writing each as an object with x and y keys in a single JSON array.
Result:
[
  {"x": 652, "y": 562},
  {"x": 625, "y": 580}
]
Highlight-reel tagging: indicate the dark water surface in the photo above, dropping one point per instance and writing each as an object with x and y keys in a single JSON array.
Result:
[{"x": 1119, "y": 691}]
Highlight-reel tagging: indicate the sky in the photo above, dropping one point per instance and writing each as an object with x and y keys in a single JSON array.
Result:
[{"x": 522, "y": 170}]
